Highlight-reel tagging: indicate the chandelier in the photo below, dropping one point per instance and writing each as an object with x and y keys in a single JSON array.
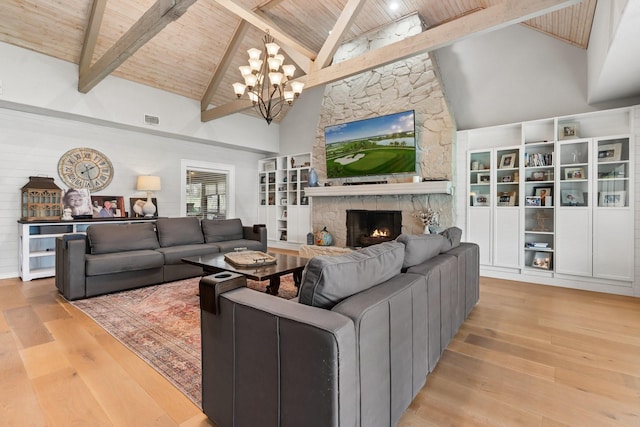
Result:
[{"x": 268, "y": 99}]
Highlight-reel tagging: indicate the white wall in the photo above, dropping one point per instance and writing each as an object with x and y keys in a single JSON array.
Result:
[
  {"x": 515, "y": 74},
  {"x": 31, "y": 145},
  {"x": 30, "y": 79},
  {"x": 298, "y": 128}
]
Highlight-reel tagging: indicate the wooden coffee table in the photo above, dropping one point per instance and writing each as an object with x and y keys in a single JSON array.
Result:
[{"x": 285, "y": 264}]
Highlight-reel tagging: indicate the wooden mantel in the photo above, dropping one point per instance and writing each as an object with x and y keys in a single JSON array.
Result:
[{"x": 427, "y": 187}]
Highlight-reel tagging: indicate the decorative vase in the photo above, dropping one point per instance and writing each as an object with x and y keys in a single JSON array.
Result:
[
  {"x": 313, "y": 178},
  {"x": 426, "y": 230},
  {"x": 324, "y": 238}
]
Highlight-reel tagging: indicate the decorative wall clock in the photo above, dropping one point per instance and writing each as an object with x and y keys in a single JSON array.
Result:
[{"x": 85, "y": 168}]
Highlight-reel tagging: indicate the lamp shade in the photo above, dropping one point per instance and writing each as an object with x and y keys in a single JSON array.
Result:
[{"x": 148, "y": 183}]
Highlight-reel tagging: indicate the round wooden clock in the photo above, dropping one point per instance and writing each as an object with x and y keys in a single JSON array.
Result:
[{"x": 85, "y": 168}]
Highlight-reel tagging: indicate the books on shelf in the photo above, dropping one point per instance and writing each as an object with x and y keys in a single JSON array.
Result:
[{"x": 538, "y": 159}]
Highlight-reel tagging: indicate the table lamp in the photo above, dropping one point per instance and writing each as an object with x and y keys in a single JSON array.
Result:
[{"x": 149, "y": 184}]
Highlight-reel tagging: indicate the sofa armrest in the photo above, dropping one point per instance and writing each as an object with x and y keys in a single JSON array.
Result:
[
  {"x": 70, "y": 266},
  {"x": 256, "y": 232},
  {"x": 260, "y": 352}
]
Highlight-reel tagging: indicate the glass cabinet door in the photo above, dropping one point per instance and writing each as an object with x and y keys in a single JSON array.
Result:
[
  {"x": 612, "y": 157},
  {"x": 480, "y": 179},
  {"x": 574, "y": 173},
  {"x": 507, "y": 177}
]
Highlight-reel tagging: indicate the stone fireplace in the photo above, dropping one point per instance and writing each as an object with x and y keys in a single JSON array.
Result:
[
  {"x": 366, "y": 228},
  {"x": 409, "y": 84}
]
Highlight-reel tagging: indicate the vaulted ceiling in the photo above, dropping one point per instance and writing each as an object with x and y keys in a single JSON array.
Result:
[{"x": 193, "y": 47}]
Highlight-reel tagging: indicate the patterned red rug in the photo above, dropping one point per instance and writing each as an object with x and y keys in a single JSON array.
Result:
[{"x": 161, "y": 324}]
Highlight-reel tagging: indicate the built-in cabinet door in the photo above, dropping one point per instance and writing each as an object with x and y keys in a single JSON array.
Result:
[
  {"x": 613, "y": 224},
  {"x": 574, "y": 241},
  {"x": 480, "y": 231},
  {"x": 507, "y": 247},
  {"x": 268, "y": 215},
  {"x": 613, "y": 244}
]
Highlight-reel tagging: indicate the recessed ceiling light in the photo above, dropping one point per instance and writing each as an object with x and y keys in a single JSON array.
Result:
[{"x": 394, "y": 5}]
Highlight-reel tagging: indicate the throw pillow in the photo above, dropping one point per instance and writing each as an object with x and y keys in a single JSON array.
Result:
[
  {"x": 420, "y": 247},
  {"x": 327, "y": 280},
  {"x": 452, "y": 236}
]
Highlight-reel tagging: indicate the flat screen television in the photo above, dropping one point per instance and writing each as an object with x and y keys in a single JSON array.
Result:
[{"x": 377, "y": 146}]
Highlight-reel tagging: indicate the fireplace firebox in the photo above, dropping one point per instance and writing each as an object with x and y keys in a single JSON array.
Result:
[{"x": 367, "y": 227}]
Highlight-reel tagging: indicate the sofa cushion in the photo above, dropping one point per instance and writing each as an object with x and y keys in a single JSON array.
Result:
[
  {"x": 420, "y": 247},
  {"x": 327, "y": 280},
  {"x": 109, "y": 238},
  {"x": 174, "y": 254},
  {"x": 220, "y": 230},
  {"x": 179, "y": 231},
  {"x": 119, "y": 262},
  {"x": 452, "y": 236}
]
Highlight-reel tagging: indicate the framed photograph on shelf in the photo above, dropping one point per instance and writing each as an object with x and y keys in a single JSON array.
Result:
[
  {"x": 79, "y": 200},
  {"x": 508, "y": 161},
  {"x": 568, "y": 130},
  {"x": 538, "y": 176},
  {"x": 483, "y": 177},
  {"x": 480, "y": 200},
  {"x": 507, "y": 198},
  {"x": 574, "y": 173},
  {"x": 542, "y": 260},
  {"x": 545, "y": 194},
  {"x": 609, "y": 152},
  {"x": 108, "y": 206},
  {"x": 532, "y": 201},
  {"x": 612, "y": 199},
  {"x": 571, "y": 198}
]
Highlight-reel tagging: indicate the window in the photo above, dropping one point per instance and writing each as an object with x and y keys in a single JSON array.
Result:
[{"x": 207, "y": 190}]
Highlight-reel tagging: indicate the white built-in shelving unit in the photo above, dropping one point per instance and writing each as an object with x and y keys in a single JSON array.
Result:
[
  {"x": 283, "y": 205},
  {"x": 552, "y": 201}
]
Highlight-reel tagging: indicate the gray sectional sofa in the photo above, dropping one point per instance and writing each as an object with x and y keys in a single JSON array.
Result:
[
  {"x": 355, "y": 347},
  {"x": 120, "y": 256}
]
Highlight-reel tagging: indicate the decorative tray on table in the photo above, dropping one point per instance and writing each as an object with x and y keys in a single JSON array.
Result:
[{"x": 249, "y": 258}]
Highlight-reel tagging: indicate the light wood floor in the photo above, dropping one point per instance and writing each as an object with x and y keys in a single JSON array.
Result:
[{"x": 528, "y": 355}]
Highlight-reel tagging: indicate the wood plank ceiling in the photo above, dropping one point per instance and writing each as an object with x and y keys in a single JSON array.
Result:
[{"x": 187, "y": 39}]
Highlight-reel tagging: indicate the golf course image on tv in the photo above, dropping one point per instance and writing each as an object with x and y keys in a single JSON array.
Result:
[{"x": 377, "y": 146}]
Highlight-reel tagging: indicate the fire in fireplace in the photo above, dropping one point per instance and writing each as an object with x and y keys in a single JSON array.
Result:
[{"x": 368, "y": 227}]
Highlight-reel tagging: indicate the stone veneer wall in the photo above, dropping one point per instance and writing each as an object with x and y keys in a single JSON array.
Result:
[{"x": 411, "y": 84}]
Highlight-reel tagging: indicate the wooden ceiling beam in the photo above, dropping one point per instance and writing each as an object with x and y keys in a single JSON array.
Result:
[
  {"x": 224, "y": 63},
  {"x": 159, "y": 15},
  {"x": 492, "y": 18},
  {"x": 227, "y": 109},
  {"x": 257, "y": 21},
  {"x": 342, "y": 25},
  {"x": 91, "y": 35}
]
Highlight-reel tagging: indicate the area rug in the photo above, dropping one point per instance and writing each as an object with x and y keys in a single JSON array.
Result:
[{"x": 161, "y": 324}]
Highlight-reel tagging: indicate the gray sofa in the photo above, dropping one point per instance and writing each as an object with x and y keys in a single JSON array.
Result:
[
  {"x": 353, "y": 350},
  {"x": 120, "y": 256}
]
